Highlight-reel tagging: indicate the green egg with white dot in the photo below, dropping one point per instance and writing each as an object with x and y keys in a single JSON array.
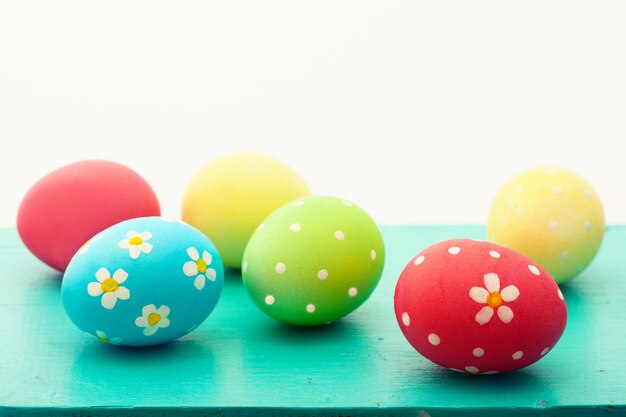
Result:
[{"x": 313, "y": 261}]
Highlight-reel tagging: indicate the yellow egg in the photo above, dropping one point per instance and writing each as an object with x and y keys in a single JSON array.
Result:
[
  {"x": 552, "y": 216},
  {"x": 229, "y": 198}
]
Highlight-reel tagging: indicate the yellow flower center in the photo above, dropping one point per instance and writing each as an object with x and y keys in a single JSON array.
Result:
[
  {"x": 135, "y": 241},
  {"x": 201, "y": 265},
  {"x": 103, "y": 339},
  {"x": 494, "y": 300},
  {"x": 109, "y": 285},
  {"x": 153, "y": 318}
]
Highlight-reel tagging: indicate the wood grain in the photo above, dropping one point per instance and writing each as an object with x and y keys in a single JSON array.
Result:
[{"x": 242, "y": 363}]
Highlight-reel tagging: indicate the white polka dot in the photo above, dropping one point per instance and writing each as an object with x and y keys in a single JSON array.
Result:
[
  {"x": 310, "y": 308},
  {"x": 244, "y": 267},
  {"x": 269, "y": 300},
  {"x": 472, "y": 369},
  {"x": 434, "y": 339},
  {"x": 352, "y": 292},
  {"x": 339, "y": 235},
  {"x": 322, "y": 274},
  {"x": 557, "y": 190},
  {"x": 494, "y": 254},
  {"x": 589, "y": 194},
  {"x": 517, "y": 355},
  {"x": 560, "y": 294},
  {"x": 347, "y": 203},
  {"x": 553, "y": 224},
  {"x": 298, "y": 203},
  {"x": 419, "y": 260},
  {"x": 534, "y": 269},
  {"x": 564, "y": 255},
  {"x": 280, "y": 268},
  {"x": 519, "y": 212},
  {"x": 454, "y": 250},
  {"x": 406, "y": 319},
  {"x": 546, "y": 350},
  {"x": 478, "y": 352},
  {"x": 373, "y": 254},
  {"x": 295, "y": 227}
]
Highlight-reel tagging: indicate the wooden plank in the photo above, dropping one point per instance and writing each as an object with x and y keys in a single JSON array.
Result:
[{"x": 240, "y": 362}]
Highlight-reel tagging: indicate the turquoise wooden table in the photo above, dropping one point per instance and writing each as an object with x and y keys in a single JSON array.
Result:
[{"x": 242, "y": 363}]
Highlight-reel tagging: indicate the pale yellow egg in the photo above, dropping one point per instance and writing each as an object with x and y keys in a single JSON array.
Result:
[
  {"x": 552, "y": 216},
  {"x": 229, "y": 198}
]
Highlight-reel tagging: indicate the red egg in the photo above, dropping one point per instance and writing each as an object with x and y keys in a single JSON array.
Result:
[
  {"x": 477, "y": 307},
  {"x": 72, "y": 204}
]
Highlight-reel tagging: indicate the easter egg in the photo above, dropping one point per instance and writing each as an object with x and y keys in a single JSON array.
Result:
[
  {"x": 477, "y": 307},
  {"x": 70, "y": 205},
  {"x": 313, "y": 261},
  {"x": 232, "y": 195},
  {"x": 552, "y": 216},
  {"x": 143, "y": 282}
]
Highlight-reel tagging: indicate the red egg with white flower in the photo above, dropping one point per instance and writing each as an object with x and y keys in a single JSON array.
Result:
[{"x": 477, "y": 307}]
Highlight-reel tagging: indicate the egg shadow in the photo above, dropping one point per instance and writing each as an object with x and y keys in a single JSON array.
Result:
[
  {"x": 309, "y": 359},
  {"x": 52, "y": 278},
  {"x": 40, "y": 273},
  {"x": 579, "y": 294},
  {"x": 149, "y": 370},
  {"x": 42, "y": 287},
  {"x": 95, "y": 353},
  {"x": 297, "y": 335},
  {"x": 447, "y": 386},
  {"x": 231, "y": 274},
  {"x": 302, "y": 347}
]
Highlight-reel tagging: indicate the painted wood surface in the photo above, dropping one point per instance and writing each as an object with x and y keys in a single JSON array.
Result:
[{"x": 240, "y": 362}]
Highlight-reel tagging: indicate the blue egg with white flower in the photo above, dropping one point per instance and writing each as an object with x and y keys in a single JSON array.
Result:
[{"x": 143, "y": 282}]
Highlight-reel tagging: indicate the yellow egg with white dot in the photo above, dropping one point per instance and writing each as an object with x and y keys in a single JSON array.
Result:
[
  {"x": 552, "y": 216},
  {"x": 229, "y": 198}
]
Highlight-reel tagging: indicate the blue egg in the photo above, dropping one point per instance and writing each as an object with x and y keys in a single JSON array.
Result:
[{"x": 143, "y": 282}]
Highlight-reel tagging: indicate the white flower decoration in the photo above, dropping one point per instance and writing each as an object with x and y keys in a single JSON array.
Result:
[
  {"x": 85, "y": 246},
  {"x": 199, "y": 267},
  {"x": 102, "y": 336},
  {"x": 493, "y": 297},
  {"x": 153, "y": 319},
  {"x": 136, "y": 243},
  {"x": 109, "y": 287}
]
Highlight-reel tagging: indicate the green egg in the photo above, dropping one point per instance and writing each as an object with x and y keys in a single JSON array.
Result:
[{"x": 313, "y": 261}]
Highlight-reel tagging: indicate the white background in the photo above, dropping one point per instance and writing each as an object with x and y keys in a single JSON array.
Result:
[{"x": 417, "y": 111}]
